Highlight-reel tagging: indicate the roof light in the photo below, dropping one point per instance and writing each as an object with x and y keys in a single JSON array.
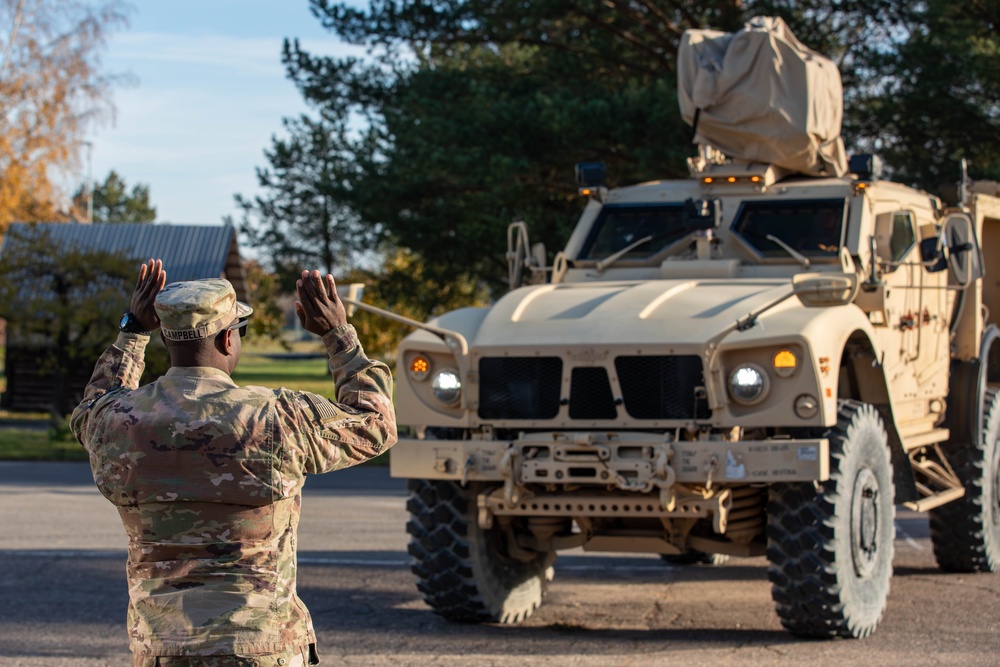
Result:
[
  {"x": 731, "y": 179},
  {"x": 707, "y": 180},
  {"x": 755, "y": 179},
  {"x": 590, "y": 174}
]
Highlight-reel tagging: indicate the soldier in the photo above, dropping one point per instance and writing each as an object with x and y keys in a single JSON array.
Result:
[{"x": 207, "y": 475}]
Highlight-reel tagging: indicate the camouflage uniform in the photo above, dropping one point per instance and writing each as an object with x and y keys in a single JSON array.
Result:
[{"x": 207, "y": 478}]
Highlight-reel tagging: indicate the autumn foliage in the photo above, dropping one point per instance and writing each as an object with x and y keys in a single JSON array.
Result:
[{"x": 51, "y": 90}]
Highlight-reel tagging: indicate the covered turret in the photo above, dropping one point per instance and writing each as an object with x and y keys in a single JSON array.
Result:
[{"x": 760, "y": 95}]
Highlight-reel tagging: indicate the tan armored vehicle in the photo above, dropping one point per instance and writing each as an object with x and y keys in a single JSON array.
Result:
[{"x": 762, "y": 359}]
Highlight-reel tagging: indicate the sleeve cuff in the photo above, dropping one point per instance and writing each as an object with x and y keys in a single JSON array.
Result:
[
  {"x": 341, "y": 339},
  {"x": 134, "y": 343}
]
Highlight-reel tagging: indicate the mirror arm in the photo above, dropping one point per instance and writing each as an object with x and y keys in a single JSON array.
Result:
[
  {"x": 873, "y": 282},
  {"x": 455, "y": 341}
]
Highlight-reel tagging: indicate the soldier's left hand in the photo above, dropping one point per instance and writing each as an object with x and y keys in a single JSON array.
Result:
[{"x": 151, "y": 280}]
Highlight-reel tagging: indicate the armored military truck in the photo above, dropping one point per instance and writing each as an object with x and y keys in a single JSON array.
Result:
[{"x": 761, "y": 359}]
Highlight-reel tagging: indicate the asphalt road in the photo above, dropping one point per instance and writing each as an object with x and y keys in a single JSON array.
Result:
[{"x": 63, "y": 594}]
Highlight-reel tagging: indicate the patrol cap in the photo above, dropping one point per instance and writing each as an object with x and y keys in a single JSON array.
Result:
[{"x": 196, "y": 309}]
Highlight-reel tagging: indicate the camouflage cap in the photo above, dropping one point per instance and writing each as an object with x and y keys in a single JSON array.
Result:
[{"x": 198, "y": 309}]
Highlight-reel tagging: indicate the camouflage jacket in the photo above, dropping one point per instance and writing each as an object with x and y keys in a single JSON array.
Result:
[{"x": 207, "y": 478}]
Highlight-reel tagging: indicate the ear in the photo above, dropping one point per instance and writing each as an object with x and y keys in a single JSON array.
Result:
[{"x": 224, "y": 343}]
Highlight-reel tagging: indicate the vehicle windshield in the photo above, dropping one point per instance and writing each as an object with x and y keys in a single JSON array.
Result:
[
  {"x": 619, "y": 226},
  {"x": 814, "y": 228}
]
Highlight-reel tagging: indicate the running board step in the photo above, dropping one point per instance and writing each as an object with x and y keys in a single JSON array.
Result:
[{"x": 936, "y": 500}]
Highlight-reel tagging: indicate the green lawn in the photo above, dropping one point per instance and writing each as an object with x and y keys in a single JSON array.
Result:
[
  {"x": 18, "y": 442},
  {"x": 300, "y": 374},
  {"x": 21, "y": 444}
]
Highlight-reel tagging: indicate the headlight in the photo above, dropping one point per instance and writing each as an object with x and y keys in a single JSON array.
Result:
[
  {"x": 446, "y": 386},
  {"x": 748, "y": 384}
]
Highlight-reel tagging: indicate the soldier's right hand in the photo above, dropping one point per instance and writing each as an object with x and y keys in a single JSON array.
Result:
[
  {"x": 152, "y": 278},
  {"x": 319, "y": 308}
]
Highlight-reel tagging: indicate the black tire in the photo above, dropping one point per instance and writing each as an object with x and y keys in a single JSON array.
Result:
[
  {"x": 693, "y": 557},
  {"x": 830, "y": 544},
  {"x": 966, "y": 532},
  {"x": 462, "y": 570}
]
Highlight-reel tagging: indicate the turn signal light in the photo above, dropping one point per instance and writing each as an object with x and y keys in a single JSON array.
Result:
[
  {"x": 419, "y": 367},
  {"x": 784, "y": 363}
]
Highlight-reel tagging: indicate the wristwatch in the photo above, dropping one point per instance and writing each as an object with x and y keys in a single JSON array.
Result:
[{"x": 129, "y": 324}]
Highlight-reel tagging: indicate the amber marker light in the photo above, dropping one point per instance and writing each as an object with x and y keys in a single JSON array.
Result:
[
  {"x": 731, "y": 179},
  {"x": 707, "y": 180},
  {"x": 419, "y": 367},
  {"x": 784, "y": 363},
  {"x": 755, "y": 179}
]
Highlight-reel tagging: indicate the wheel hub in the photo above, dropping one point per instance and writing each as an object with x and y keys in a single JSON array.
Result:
[{"x": 865, "y": 523}]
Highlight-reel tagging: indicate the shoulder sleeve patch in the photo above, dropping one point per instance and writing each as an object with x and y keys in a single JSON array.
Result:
[{"x": 322, "y": 407}]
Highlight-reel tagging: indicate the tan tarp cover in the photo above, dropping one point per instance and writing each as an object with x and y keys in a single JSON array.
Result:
[{"x": 764, "y": 97}]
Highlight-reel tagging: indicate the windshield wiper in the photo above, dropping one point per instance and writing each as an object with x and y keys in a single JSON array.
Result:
[
  {"x": 614, "y": 257},
  {"x": 799, "y": 257}
]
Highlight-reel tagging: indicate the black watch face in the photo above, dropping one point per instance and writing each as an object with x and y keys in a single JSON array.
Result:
[{"x": 124, "y": 321}]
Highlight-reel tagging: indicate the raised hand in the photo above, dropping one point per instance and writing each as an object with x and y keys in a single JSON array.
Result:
[
  {"x": 151, "y": 280},
  {"x": 319, "y": 308}
]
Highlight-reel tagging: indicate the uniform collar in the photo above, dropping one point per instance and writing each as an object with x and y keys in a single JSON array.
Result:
[{"x": 199, "y": 372}]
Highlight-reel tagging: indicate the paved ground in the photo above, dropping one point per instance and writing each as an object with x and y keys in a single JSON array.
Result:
[{"x": 63, "y": 591}]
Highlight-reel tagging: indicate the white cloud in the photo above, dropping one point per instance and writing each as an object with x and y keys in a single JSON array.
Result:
[
  {"x": 196, "y": 124},
  {"x": 255, "y": 56}
]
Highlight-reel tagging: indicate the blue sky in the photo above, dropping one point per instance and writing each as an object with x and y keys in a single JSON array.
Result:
[{"x": 209, "y": 93}]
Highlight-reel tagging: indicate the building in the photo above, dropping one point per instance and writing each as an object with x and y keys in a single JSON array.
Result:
[{"x": 189, "y": 252}]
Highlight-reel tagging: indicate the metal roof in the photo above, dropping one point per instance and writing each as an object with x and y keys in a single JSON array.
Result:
[{"x": 189, "y": 252}]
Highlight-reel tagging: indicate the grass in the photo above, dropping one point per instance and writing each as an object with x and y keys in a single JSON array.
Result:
[
  {"x": 20, "y": 443},
  {"x": 299, "y": 374}
]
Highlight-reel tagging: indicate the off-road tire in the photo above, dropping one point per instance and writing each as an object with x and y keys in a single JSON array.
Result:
[
  {"x": 462, "y": 570},
  {"x": 830, "y": 544},
  {"x": 966, "y": 532}
]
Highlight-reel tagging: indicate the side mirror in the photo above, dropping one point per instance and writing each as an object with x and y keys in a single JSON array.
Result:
[
  {"x": 931, "y": 256},
  {"x": 522, "y": 255},
  {"x": 958, "y": 243},
  {"x": 352, "y": 291},
  {"x": 825, "y": 290}
]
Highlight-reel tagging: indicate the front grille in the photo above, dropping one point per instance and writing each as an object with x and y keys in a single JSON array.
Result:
[
  {"x": 519, "y": 387},
  {"x": 662, "y": 387},
  {"x": 590, "y": 395},
  {"x": 530, "y": 388}
]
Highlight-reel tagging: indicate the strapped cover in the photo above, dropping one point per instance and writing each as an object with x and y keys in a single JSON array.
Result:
[{"x": 760, "y": 95}]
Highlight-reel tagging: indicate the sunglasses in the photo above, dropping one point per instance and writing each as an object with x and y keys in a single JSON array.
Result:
[{"x": 241, "y": 325}]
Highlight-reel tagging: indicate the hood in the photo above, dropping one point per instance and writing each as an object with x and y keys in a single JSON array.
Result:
[{"x": 682, "y": 312}]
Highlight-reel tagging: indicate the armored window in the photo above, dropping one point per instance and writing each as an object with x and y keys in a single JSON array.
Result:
[
  {"x": 903, "y": 236},
  {"x": 894, "y": 237},
  {"x": 620, "y": 225},
  {"x": 813, "y": 227}
]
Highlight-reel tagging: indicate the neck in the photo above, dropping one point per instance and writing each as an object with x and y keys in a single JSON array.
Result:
[
  {"x": 203, "y": 361},
  {"x": 205, "y": 356}
]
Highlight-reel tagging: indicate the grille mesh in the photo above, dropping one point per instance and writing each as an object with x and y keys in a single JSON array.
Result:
[
  {"x": 662, "y": 387},
  {"x": 590, "y": 395},
  {"x": 519, "y": 387}
]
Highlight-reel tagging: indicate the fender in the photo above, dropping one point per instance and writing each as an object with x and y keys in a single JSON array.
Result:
[{"x": 846, "y": 338}]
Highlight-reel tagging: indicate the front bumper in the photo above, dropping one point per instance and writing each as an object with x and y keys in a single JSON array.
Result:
[{"x": 639, "y": 462}]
